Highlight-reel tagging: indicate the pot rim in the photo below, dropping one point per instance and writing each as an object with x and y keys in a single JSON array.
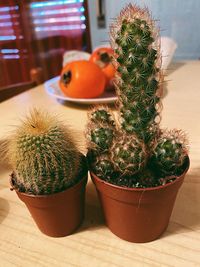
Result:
[
  {"x": 71, "y": 188},
  {"x": 125, "y": 188}
]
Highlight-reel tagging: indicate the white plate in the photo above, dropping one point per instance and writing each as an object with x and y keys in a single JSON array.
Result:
[
  {"x": 74, "y": 55},
  {"x": 53, "y": 89}
]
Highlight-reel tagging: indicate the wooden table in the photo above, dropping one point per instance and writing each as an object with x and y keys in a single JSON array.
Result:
[{"x": 21, "y": 243}]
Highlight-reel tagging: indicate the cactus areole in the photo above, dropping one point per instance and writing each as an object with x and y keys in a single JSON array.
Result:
[{"x": 132, "y": 144}]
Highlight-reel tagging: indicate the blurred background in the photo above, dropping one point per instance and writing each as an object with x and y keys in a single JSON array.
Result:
[
  {"x": 178, "y": 19},
  {"x": 35, "y": 34}
]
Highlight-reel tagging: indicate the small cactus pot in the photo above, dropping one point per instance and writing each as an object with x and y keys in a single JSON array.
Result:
[
  {"x": 137, "y": 214},
  {"x": 59, "y": 214}
]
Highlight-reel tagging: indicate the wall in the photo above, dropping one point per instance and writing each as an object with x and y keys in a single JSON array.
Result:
[{"x": 179, "y": 19}]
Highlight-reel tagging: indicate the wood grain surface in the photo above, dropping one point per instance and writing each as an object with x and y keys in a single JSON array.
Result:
[{"x": 93, "y": 245}]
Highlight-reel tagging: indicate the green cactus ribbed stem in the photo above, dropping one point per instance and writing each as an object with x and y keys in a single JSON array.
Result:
[
  {"x": 102, "y": 115},
  {"x": 128, "y": 155},
  {"x": 102, "y": 137},
  {"x": 138, "y": 71},
  {"x": 43, "y": 154},
  {"x": 104, "y": 168},
  {"x": 170, "y": 152}
]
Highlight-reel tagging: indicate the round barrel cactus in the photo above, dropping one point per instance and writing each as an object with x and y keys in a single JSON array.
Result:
[
  {"x": 44, "y": 155},
  {"x": 170, "y": 152},
  {"x": 128, "y": 155}
]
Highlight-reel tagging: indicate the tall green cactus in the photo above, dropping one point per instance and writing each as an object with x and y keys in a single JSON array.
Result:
[
  {"x": 137, "y": 59},
  {"x": 130, "y": 146},
  {"x": 43, "y": 154}
]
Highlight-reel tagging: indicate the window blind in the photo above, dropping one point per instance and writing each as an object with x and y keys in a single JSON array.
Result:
[
  {"x": 63, "y": 18},
  {"x": 11, "y": 35}
]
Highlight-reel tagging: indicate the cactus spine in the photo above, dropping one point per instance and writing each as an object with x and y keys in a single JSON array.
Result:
[
  {"x": 43, "y": 154},
  {"x": 126, "y": 148}
]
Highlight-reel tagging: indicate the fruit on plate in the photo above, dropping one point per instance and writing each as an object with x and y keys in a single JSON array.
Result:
[
  {"x": 103, "y": 58},
  {"x": 82, "y": 79}
]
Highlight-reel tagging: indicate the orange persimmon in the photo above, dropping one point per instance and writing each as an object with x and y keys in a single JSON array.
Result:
[
  {"x": 103, "y": 58},
  {"x": 82, "y": 79}
]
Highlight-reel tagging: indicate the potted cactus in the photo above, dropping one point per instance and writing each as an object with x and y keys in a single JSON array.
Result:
[
  {"x": 137, "y": 167},
  {"x": 49, "y": 173}
]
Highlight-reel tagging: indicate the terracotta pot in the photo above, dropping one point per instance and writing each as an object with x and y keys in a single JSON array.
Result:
[
  {"x": 137, "y": 214},
  {"x": 59, "y": 214}
]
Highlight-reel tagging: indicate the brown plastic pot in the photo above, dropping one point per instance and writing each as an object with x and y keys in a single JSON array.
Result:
[
  {"x": 137, "y": 214},
  {"x": 59, "y": 214}
]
